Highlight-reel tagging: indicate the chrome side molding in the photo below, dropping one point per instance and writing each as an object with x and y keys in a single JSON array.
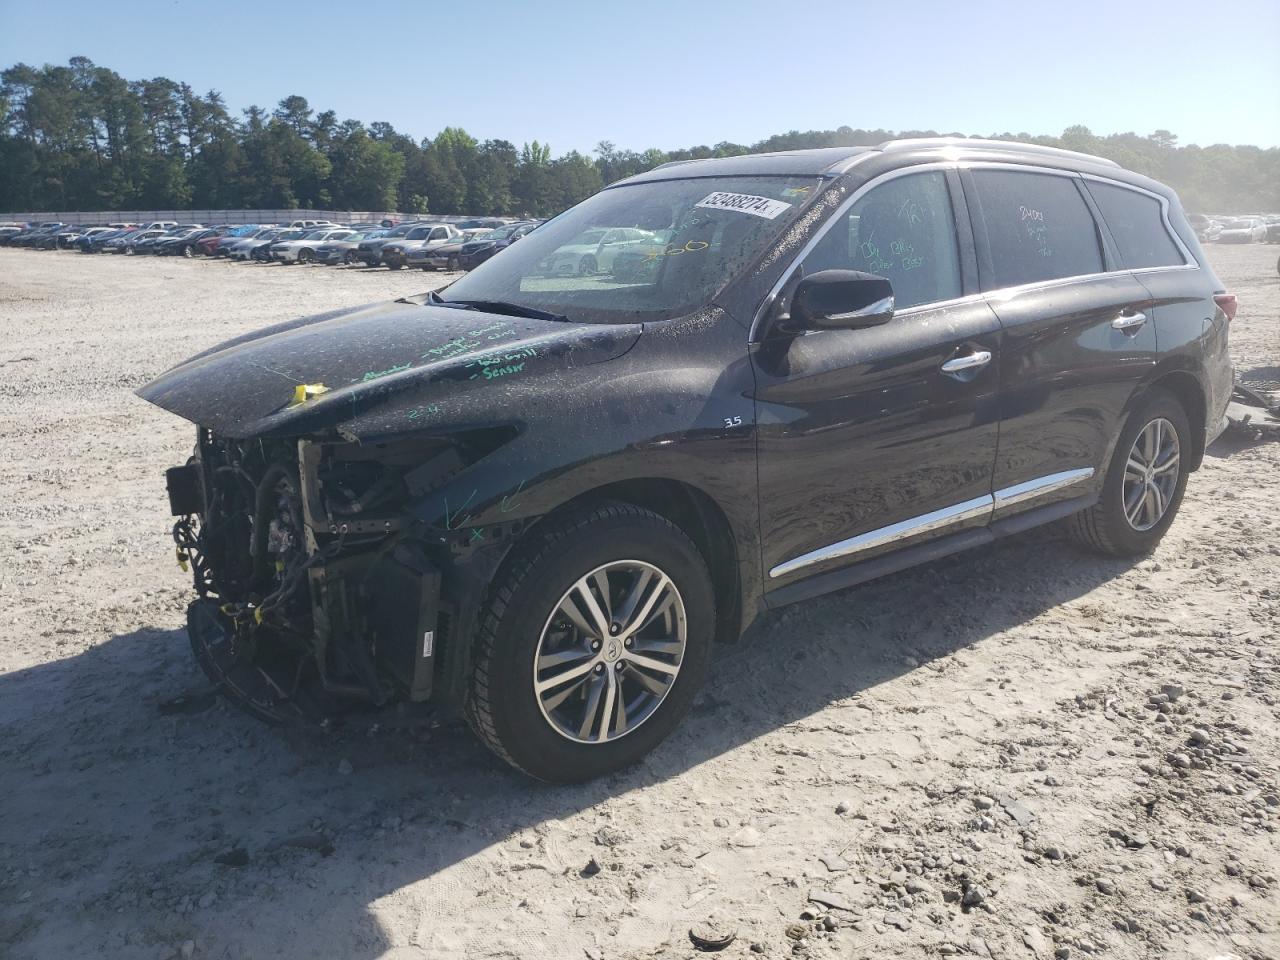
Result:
[
  {"x": 980, "y": 507},
  {"x": 1040, "y": 486}
]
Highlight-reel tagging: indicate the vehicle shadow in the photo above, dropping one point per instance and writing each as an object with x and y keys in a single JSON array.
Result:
[{"x": 121, "y": 820}]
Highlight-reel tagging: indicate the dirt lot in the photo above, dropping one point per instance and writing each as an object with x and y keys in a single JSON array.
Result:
[{"x": 962, "y": 759}]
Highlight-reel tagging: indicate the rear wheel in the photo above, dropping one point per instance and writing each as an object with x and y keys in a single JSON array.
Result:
[
  {"x": 1144, "y": 483},
  {"x": 596, "y": 638}
]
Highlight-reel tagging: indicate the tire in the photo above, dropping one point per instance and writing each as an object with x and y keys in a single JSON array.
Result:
[
  {"x": 350, "y": 258},
  {"x": 587, "y": 266},
  {"x": 394, "y": 266},
  {"x": 525, "y": 605},
  {"x": 129, "y": 252},
  {"x": 306, "y": 256},
  {"x": 1106, "y": 526},
  {"x": 453, "y": 265},
  {"x": 188, "y": 252}
]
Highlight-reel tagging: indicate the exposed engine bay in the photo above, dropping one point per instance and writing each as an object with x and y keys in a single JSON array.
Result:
[{"x": 311, "y": 600}]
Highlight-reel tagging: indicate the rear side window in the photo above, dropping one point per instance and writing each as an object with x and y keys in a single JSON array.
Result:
[
  {"x": 1136, "y": 223},
  {"x": 1038, "y": 227},
  {"x": 902, "y": 230}
]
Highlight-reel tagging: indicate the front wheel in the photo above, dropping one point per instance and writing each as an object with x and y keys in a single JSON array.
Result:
[
  {"x": 596, "y": 638},
  {"x": 1145, "y": 480},
  {"x": 454, "y": 265}
]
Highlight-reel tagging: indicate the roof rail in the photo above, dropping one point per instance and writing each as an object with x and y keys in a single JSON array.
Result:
[{"x": 890, "y": 146}]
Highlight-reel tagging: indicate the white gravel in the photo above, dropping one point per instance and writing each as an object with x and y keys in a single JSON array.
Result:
[{"x": 1013, "y": 753}]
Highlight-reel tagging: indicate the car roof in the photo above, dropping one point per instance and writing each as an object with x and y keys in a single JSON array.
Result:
[{"x": 833, "y": 161}]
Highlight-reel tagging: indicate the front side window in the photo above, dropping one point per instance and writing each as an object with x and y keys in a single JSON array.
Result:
[
  {"x": 644, "y": 251},
  {"x": 903, "y": 230},
  {"x": 1038, "y": 227},
  {"x": 1136, "y": 222}
]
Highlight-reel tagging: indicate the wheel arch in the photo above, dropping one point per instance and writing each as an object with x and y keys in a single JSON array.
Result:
[
  {"x": 698, "y": 515},
  {"x": 1190, "y": 394}
]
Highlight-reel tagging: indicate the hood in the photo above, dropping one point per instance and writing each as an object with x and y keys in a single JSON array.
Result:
[{"x": 348, "y": 363}]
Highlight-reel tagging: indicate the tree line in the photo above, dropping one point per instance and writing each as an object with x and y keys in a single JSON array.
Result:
[{"x": 81, "y": 137}]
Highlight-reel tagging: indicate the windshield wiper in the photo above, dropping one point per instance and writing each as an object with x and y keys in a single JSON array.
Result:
[{"x": 496, "y": 306}]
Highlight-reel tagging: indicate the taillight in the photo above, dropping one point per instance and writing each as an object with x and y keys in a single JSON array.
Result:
[{"x": 1226, "y": 303}]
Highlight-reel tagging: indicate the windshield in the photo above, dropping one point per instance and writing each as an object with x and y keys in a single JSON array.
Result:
[
  {"x": 649, "y": 251},
  {"x": 318, "y": 234}
]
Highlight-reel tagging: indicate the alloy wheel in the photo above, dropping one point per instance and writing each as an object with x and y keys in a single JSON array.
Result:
[
  {"x": 1151, "y": 474},
  {"x": 610, "y": 652}
]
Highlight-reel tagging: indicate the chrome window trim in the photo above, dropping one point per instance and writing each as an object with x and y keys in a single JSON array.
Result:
[
  {"x": 830, "y": 222},
  {"x": 985, "y": 505},
  {"x": 998, "y": 293}
]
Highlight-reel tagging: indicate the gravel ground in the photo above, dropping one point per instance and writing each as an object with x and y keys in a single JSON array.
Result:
[{"x": 1024, "y": 751}]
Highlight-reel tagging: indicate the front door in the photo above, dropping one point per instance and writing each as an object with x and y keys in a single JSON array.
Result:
[{"x": 884, "y": 437}]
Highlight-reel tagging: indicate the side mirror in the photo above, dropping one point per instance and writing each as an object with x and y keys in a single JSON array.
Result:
[{"x": 841, "y": 299}]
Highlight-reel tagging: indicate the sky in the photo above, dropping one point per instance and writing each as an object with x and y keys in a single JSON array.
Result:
[{"x": 652, "y": 73}]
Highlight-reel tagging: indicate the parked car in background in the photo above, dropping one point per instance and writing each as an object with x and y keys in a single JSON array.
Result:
[
  {"x": 438, "y": 256},
  {"x": 181, "y": 244},
  {"x": 543, "y": 500},
  {"x": 1206, "y": 228},
  {"x": 94, "y": 243},
  {"x": 160, "y": 225},
  {"x": 243, "y": 249},
  {"x": 36, "y": 236},
  {"x": 481, "y": 223},
  {"x": 594, "y": 251},
  {"x": 424, "y": 236},
  {"x": 207, "y": 244},
  {"x": 262, "y": 251},
  {"x": 343, "y": 250},
  {"x": 1273, "y": 230},
  {"x": 66, "y": 239},
  {"x": 311, "y": 224},
  {"x": 477, "y": 251},
  {"x": 129, "y": 244},
  {"x": 1243, "y": 230},
  {"x": 369, "y": 252},
  {"x": 8, "y": 233},
  {"x": 223, "y": 245},
  {"x": 152, "y": 245},
  {"x": 303, "y": 250}
]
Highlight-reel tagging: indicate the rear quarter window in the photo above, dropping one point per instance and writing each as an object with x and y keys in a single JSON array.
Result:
[
  {"x": 1038, "y": 227},
  {"x": 1136, "y": 222}
]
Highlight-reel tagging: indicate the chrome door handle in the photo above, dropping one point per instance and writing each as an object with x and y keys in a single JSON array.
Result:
[
  {"x": 970, "y": 361},
  {"x": 1129, "y": 321}
]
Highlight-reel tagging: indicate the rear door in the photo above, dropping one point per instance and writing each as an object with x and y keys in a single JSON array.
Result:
[{"x": 1078, "y": 336}]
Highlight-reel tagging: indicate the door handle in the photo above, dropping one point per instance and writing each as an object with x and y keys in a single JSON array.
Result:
[
  {"x": 1129, "y": 321},
  {"x": 970, "y": 361}
]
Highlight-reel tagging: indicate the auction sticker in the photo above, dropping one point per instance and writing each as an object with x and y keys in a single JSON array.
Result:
[{"x": 744, "y": 203}]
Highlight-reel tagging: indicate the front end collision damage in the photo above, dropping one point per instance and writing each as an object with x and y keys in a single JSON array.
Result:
[{"x": 349, "y": 525}]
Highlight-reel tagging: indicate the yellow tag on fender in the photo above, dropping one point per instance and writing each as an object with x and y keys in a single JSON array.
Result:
[{"x": 305, "y": 391}]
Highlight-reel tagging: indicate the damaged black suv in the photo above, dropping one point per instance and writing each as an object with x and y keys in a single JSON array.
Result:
[{"x": 715, "y": 388}]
